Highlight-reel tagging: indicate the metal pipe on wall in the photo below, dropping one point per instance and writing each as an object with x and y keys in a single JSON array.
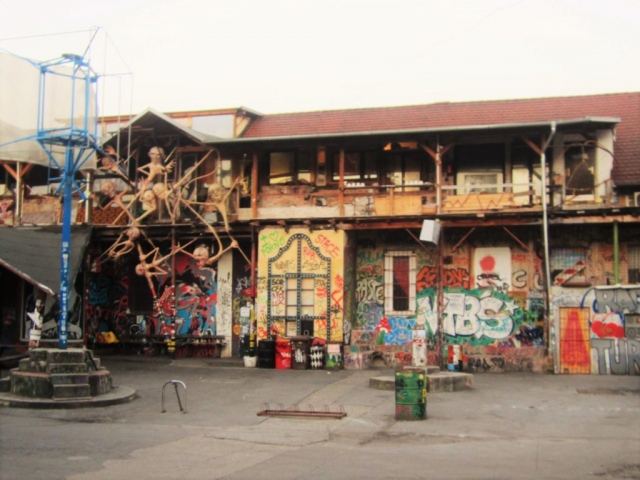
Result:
[
  {"x": 545, "y": 233},
  {"x": 616, "y": 254}
]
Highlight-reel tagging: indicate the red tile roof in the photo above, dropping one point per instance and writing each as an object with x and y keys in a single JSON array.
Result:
[{"x": 625, "y": 106}]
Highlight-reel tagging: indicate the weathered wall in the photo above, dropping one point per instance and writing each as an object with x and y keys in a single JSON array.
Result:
[
  {"x": 493, "y": 305},
  {"x": 300, "y": 250},
  {"x": 598, "y": 330},
  {"x": 190, "y": 305}
]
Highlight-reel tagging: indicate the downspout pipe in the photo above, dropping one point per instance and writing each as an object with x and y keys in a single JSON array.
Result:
[
  {"x": 545, "y": 214},
  {"x": 616, "y": 254},
  {"x": 545, "y": 234}
]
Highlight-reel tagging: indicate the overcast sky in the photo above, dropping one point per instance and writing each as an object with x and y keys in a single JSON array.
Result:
[{"x": 295, "y": 55}]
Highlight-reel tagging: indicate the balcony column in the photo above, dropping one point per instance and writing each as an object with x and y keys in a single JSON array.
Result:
[
  {"x": 437, "y": 157},
  {"x": 254, "y": 186},
  {"x": 341, "y": 184},
  {"x": 17, "y": 216}
]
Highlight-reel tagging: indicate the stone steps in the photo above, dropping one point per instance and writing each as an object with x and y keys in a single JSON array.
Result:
[
  {"x": 75, "y": 392},
  {"x": 71, "y": 374}
]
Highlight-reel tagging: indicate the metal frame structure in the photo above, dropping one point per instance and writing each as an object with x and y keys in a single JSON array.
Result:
[{"x": 79, "y": 142}]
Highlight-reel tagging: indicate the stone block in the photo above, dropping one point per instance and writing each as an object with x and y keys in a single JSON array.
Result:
[
  {"x": 38, "y": 354},
  {"x": 54, "y": 368},
  {"x": 382, "y": 383},
  {"x": 5, "y": 384},
  {"x": 70, "y": 378},
  {"x": 100, "y": 382},
  {"x": 71, "y": 355},
  {"x": 31, "y": 384},
  {"x": 26, "y": 365},
  {"x": 71, "y": 391}
]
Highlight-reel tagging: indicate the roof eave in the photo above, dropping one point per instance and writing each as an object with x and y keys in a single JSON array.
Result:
[{"x": 410, "y": 131}]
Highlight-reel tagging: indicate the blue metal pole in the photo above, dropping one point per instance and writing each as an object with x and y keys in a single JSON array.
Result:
[{"x": 65, "y": 252}]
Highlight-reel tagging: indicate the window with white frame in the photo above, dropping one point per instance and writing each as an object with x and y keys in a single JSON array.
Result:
[{"x": 400, "y": 283}]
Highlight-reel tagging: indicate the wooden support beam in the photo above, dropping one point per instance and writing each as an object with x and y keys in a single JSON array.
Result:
[
  {"x": 254, "y": 186},
  {"x": 9, "y": 169},
  {"x": 531, "y": 144},
  {"x": 457, "y": 245},
  {"x": 520, "y": 242},
  {"x": 341, "y": 185}
]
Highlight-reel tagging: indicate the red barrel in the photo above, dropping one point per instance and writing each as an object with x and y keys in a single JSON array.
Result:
[{"x": 283, "y": 354}]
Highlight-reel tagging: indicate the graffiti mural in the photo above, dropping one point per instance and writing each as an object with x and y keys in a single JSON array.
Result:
[
  {"x": 492, "y": 267},
  {"x": 195, "y": 297},
  {"x": 476, "y": 317},
  {"x": 108, "y": 301},
  {"x": 452, "y": 278},
  {"x": 614, "y": 312},
  {"x": 300, "y": 285},
  {"x": 615, "y": 356}
]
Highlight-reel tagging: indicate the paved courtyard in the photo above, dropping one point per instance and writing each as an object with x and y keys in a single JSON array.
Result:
[{"x": 511, "y": 426}]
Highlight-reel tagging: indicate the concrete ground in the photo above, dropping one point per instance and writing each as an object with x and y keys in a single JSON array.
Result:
[{"x": 510, "y": 426}]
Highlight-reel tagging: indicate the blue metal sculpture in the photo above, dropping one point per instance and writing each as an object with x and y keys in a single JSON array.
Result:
[{"x": 79, "y": 142}]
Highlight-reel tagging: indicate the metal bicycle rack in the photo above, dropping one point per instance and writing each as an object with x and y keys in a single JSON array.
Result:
[{"x": 175, "y": 383}]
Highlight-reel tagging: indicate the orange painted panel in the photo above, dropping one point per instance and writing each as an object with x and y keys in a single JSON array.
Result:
[{"x": 575, "y": 347}]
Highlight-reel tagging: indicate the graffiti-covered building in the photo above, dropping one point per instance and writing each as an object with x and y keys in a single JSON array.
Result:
[{"x": 318, "y": 224}]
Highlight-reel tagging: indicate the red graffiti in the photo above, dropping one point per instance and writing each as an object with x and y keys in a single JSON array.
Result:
[
  {"x": 574, "y": 350},
  {"x": 607, "y": 330},
  {"x": 453, "y": 277},
  {"x": 329, "y": 247}
]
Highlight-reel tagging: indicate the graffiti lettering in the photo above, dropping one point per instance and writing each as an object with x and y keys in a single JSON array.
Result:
[
  {"x": 286, "y": 265},
  {"x": 270, "y": 242},
  {"x": 329, "y": 247},
  {"x": 453, "y": 278},
  {"x": 616, "y": 356},
  {"x": 370, "y": 290}
]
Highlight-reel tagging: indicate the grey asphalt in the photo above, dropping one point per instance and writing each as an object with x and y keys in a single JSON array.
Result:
[{"x": 509, "y": 426}]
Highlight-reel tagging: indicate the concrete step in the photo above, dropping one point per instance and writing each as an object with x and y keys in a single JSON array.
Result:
[
  {"x": 70, "y": 378},
  {"x": 70, "y": 355},
  {"x": 64, "y": 392},
  {"x": 438, "y": 382},
  {"x": 53, "y": 368}
]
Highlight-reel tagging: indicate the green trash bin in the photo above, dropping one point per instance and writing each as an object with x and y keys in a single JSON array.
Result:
[{"x": 411, "y": 394}]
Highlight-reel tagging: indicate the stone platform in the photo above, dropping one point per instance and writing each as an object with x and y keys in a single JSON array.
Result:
[
  {"x": 438, "y": 381},
  {"x": 54, "y": 378}
]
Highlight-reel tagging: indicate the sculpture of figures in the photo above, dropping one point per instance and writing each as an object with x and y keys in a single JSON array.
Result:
[
  {"x": 216, "y": 201},
  {"x": 160, "y": 191},
  {"x": 150, "y": 269},
  {"x": 201, "y": 252},
  {"x": 126, "y": 243},
  {"x": 156, "y": 168}
]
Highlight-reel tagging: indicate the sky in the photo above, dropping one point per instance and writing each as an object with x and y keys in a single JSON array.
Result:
[{"x": 275, "y": 56}]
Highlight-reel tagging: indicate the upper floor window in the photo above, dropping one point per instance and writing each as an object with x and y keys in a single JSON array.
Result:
[
  {"x": 633, "y": 262},
  {"x": 289, "y": 167},
  {"x": 400, "y": 283},
  {"x": 358, "y": 166},
  {"x": 479, "y": 167},
  {"x": 579, "y": 162},
  {"x": 569, "y": 267}
]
